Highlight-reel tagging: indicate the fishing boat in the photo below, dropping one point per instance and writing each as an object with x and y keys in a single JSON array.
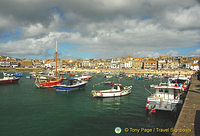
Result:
[
  {"x": 180, "y": 80},
  {"x": 84, "y": 77},
  {"x": 41, "y": 72},
  {"x": 18, "y": 75},
  {"x": 32, "y": 73},
  {"x": 165, "y": 98},
  {"x": 9, "y": 79},
  {"x": 74, "y": 84},
  {"x": 71, "y": 74},
  {"x": 51, "y": 81},
  {"x": 107, "y": 76},
  {"x": 7, "y": 75},
  {"x": 108, "y": 83},
  {"x": 116, "y": 90}
]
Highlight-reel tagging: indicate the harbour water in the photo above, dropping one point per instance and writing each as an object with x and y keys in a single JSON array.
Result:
[{"x": 28, "y": 111}]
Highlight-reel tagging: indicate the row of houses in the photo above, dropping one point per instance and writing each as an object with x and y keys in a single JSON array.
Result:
[{"x": 160, "y": 63}]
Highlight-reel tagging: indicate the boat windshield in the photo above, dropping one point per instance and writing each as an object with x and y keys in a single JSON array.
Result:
[
  {"x": 179, "y": 81},
  {"x": 115, "y": 87}
]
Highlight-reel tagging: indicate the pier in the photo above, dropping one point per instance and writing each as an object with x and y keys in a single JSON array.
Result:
[{"x": 188, "y": 123}]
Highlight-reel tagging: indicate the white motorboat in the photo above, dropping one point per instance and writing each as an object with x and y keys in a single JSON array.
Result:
[
  {"x": 180, "y": 81},
  {"x": 165, "y": 98},
  {"x": 116, "y": 90}
]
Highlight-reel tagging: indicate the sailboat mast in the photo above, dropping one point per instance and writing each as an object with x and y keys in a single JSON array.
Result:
[{"x": 56, "y": 57}]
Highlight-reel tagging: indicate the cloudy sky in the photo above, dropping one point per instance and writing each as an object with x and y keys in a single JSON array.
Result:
[{"x": 99, "y": 28}]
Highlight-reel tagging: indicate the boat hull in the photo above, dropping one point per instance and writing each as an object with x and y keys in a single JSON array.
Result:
[
  {"x": 86, "y": 79},
  {"x": 47, "y": 84},
  {"x": 70, "y": 88},
  {"x": 106, "y": 94},
  {"x": 18, "y": 75},
  {"x": 9, "y": 81}
]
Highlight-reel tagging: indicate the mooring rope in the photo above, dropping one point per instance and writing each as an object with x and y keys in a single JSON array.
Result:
[{"x": 147, "y": 89}]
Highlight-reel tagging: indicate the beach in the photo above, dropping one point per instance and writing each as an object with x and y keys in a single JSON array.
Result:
[
  {"x": 131, "y": 71},
  {"x": 166, "y": 72}
]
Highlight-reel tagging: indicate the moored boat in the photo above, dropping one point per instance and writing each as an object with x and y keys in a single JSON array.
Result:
[
  {"x": 74, "y": 84},
  {"x": 84, "y": 77},
  {"x": 165, "y": 98},
  {"x": 180, "y": 80},
  {"x": 18, "y": 75},
  {"x": 116, "y": 90},
  {"x": 48, "y": 83},
  {"x": 108, "y": 83},
  {"x": 9, "y": 79},
  {"x": 51, "y": 81}
]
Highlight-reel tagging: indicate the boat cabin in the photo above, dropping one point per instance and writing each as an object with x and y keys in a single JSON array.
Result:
[
  {"x": 168, "y": 92},
  {"x": 118, "y": 87},
  {"x": 73, "y": 81},
  {"x": 179, "y": 81}
]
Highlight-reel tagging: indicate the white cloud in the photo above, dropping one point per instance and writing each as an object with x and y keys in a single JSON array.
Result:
[
  {"x": 184, "y": 18},
  {"x": 106, "y": 28},
  {"x": 117, "y": 38},
  {"x": 36, "y": 30},
  {"x": 195, "y": 53}
]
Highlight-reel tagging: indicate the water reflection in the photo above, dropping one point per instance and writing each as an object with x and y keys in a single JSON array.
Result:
[{"x": 109, "y": 103}]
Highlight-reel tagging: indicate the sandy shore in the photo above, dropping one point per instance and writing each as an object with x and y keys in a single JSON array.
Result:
[{"x": 168, "y": 72}]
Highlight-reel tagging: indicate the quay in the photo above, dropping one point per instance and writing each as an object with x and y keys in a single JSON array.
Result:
[{"x": 188, "y": 123}]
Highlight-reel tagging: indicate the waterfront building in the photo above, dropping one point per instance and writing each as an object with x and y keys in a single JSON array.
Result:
[
  {"x": 27, "y": 63},
  {"x": 107, "y": 63},
  {"x": 175, "y": 64},
  {"x": 115, "y": 63},
  {"x": 5, "y": 64},
  {"x": 194, "y": 67},
  {"x": 150, "y": 64},
  {"x": 137, "y": 64},
  {"x": 162, "y": 64},
  {"x": 37, "y": 63}
]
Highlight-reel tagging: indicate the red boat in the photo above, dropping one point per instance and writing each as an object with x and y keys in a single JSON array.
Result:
[
  {"x": 52, "y": 81},
  {"x": 85, "y": 78},
  {"x": 6, "y": 80},
  {"x": 48, "y": 83},
  {"x": 71, "y": 74}
]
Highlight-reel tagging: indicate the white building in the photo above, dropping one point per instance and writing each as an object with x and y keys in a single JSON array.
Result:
[{"x": 195, "y": 67}]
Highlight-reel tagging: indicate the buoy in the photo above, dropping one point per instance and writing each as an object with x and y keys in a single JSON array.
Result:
[{"x": 153, "y": 111}]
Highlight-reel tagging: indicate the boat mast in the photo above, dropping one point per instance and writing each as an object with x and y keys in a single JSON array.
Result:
[{"x": 56, "y": 57}]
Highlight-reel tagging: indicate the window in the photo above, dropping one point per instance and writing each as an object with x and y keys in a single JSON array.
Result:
[{"x": 160, "y": 90}]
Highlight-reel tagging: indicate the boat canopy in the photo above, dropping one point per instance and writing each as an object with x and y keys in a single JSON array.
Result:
[
  {"x": 118, "y": 85},
  {"x": 72, "y": 79}
]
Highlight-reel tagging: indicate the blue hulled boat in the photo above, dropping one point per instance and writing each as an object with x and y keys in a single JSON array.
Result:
[
  {"x": 18, "y": 75},
  {"x": 74, "y": 84}
]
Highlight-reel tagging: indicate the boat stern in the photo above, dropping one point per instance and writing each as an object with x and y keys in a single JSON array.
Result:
[{"x": 94, "y": 93}]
